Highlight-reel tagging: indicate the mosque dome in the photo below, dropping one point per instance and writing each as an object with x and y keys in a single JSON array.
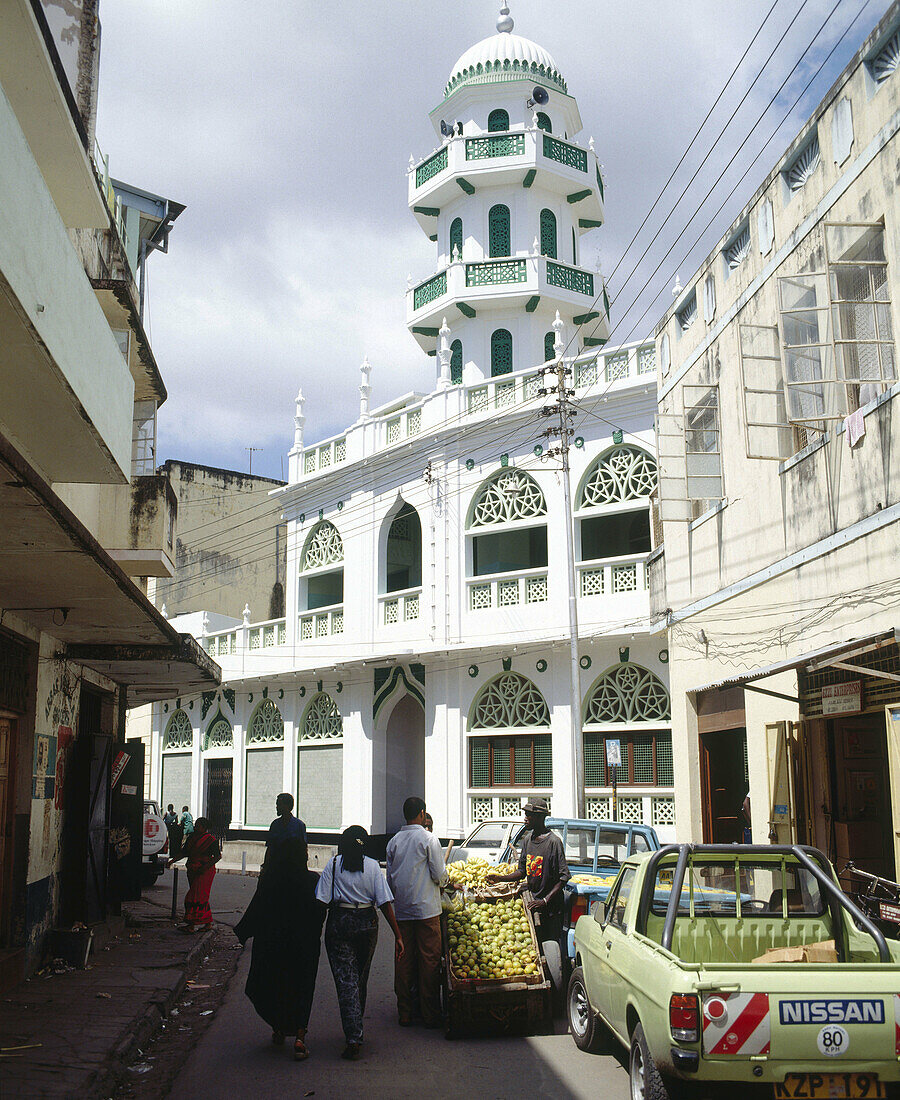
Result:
[{"x": 504, "y": 56}]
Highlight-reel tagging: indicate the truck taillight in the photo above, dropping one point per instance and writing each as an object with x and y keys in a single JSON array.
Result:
[
  {"x": 684, "y": 1017},
  {"x": 579, "y": 908}
]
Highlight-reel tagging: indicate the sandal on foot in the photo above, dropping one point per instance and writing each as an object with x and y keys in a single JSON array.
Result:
[{"x": 300, "y": 1051}]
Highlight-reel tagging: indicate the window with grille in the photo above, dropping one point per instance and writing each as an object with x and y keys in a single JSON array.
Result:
[
  {"x": 266, "y": 724},
  {"x": 456, "y": 362},
  {"x": 498, "y": 121},
  {"x": 501, "y": 352},
  {"x": 456, "y": 238},
  {"x": 703, "y": 448},
  {"x": 646, "y": 759},
  {"x": 628, "y": 693},
  {"x": 548, "y": 234},
  {"x": 510, "y": 761},
  {"x": 403, "y": 564},
  {"x": 321, "y": 586},
  {"x": 544, "y": 123},
  {"x": 549, "y": 341},
  {"x": 498, "y": 231}
]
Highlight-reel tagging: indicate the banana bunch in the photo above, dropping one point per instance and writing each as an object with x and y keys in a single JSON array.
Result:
[{"x": 472, "y": 873}]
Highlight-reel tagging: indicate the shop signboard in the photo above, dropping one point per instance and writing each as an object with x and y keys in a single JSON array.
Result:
[{"x": 842, "y": 698}]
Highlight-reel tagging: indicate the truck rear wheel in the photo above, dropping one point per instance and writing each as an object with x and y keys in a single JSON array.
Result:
[
  {"x": 583, "y": 1024},
  {"x": 646, "y": 1083}
]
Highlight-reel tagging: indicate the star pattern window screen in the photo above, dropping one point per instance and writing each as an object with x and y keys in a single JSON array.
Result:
[
  {"x": 324, "y": 547},
  {"x": 220, "y": 734},
  {"x": 509, "y": 496},
  {"x": 628, "y": 693},
  {"x": 625, "y": 473},
  {"x": 179, "y": 732},
  {"x": 509, "y": 701},
  {"x": 266, "y": 724},
  {"x": 322, "y": 721}
]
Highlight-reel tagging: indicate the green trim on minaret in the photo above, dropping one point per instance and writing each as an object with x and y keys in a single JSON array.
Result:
[
  {"x": 577, "y": 196},
  {"x": 532, "y": 303},
  {"x": 428, "y": 211},
  {"x": 420, "y": 330},
  {"x": 465, "y": 309},
  {"x": 467, "y": 187},
  {"x": 583, "y": 318},
  {"x": 433, "y": 237},
  {"x": 593, "y": 342},
  {"x": 588, "y": 223},
  {"x": 529, "y": 177}
]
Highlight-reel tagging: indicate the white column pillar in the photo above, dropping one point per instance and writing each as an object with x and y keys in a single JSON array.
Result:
[
  {"x": 197, "y": 792},
  {"x": 289, "y": 770},
  {"x": 237, "y": 777},
  {"x": 444, "y": 355},
  {"x": 561, "y": 737},
  {"x": 356, "y": 807}
]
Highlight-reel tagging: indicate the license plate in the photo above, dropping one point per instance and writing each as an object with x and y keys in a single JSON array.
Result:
[{"x": 809, "y": 1086}]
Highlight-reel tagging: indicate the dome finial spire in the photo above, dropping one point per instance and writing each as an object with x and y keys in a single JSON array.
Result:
[{"x": 504, "y": 20}]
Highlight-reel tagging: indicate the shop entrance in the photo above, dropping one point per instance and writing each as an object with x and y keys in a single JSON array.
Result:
[
  {"x": 863, "y": 820},
  {"x": 218, "y": 797},
  {"x": 723, "y": 777}
]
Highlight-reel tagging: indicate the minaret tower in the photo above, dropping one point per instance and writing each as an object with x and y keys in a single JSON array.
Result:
[{"x": 507, "y": 197}]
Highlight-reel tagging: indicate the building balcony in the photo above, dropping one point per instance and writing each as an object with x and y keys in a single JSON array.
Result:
[
  {"x": 324, "y": 622},
  {"x": 517, "y": 157},
  {"x": 140, "y": 535},
  {"x": 507, "y": 282},
  {"x": 507, "y": 590},
  {"x": 612, "y": 576},
  {"x": 397, "y": 610}
]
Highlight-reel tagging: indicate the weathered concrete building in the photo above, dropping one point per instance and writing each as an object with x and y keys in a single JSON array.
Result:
[
  {"x": 779, "y": 493},
  {"x": 78, "y": 638}
]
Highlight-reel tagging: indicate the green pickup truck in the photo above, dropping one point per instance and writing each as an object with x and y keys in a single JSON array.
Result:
[{"x": 738, "y": 964}]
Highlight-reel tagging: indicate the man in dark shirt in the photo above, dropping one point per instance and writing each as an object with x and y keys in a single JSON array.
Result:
[
  {"x": 285, "y": 826},
  {"x": 542, "y": 864}
]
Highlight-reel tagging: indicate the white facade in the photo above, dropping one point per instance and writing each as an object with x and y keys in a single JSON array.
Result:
[{"x": 425, "y": 645}]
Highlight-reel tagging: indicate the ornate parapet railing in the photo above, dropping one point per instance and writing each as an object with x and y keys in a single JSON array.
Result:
[
  {"x": 431, "y": 167},
  {"x": 564, "y": 153},
  {"x": 570, "y": 278},
  {"x": 430, "y": 290},
  {"x": 250, "y": 636},
  {"x": 496, "y": 272},
  {"x": 613, "y": 577},
  {"x": 508, "y": 590},
  {"x": 504, "y": 392},
  {"x": 321, "y": 623},
  {"x": 495, "y": 145},
  {"x": 324, "y": 455},
  {"x": 400, "y": 607}
]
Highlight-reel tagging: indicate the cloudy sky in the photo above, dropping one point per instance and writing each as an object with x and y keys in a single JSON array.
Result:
[{"x": 286, "y": 128}]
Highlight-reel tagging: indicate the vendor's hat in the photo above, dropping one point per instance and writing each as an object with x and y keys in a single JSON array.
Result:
[{"x": 536, "y": 806}]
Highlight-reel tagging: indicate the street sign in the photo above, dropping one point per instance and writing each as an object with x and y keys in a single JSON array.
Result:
[{"x": 613, "y": 754}]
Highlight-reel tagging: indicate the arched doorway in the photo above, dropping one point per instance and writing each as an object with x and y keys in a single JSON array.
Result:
[{"x": 404, "y": 772}]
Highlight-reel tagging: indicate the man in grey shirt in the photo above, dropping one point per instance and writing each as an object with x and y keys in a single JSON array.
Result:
[{"x": 415, "y": 873}]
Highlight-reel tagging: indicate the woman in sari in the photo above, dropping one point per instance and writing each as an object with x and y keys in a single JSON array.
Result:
[
  {"x": 285, "y": 923},
  {"x": 201, "y": 849}
]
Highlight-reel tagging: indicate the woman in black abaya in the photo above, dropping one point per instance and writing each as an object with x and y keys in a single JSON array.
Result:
[{"x": 285, "y": 923}]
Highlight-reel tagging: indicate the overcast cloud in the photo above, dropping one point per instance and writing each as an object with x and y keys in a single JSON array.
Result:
[{"x": 286, "y": 129}]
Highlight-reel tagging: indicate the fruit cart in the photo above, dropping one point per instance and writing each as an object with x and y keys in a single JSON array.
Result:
[{"x": 512, "y": 1004}]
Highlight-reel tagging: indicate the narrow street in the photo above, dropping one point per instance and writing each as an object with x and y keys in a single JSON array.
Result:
[{"x": 233, "y": 1056}]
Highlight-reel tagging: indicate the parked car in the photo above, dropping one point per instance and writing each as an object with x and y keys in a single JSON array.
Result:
[
  {"x": 738, "y": 964},
  {"x": 155, "y": 844},
  {"x": 488, "y": 840}
]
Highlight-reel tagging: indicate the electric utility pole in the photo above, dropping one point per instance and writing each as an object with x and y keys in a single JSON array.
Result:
[{"x": 563, "y": 428}]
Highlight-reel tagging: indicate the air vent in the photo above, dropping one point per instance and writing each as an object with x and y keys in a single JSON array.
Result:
[
  {"x": 687, "y": 315},
  {"x": 739, "y": 249},
  {"x": 885, "y": 62},
  {"x": 803, "y": 166}
]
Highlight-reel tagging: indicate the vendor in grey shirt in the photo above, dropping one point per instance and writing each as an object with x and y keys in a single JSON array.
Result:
[{"x": 415, "y": 873}]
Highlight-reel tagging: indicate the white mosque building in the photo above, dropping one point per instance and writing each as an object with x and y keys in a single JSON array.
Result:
[{"x": 426, "y": 644}]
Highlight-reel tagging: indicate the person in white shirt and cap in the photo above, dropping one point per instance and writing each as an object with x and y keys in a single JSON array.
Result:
[{"x": 415, "y": 873}]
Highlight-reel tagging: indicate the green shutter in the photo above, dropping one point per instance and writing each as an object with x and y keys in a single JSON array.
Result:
[
  {"x": 544, "y": 123},
  {"x": 665, "y": 776},
  {"x": 501, "y": 777},
  {"x": 548, "y": 234},
  {"x": 480, "y": 757},
  {"x": 498, "y": 121},
  {"x": 594, "y": 771},
  {"x": 498, "y": 230},
  {"x": 456, "y": 362},
  {"x": 549, "y": 341},
  {"x": 543, "y": 761},
  {"x": 456, "y": 237},
  {"x": 522, "y": 762},
  {"x": 642, "y": 749},
  {"x": 501, "y": 352}
]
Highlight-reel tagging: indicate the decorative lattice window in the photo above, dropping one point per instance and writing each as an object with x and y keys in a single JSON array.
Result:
[
  {"x": 507, "y": 593},
  {"x": 411, "y": 608},
  {"x": 509, "y": 701},
  {"x": 548, "y": 234},
  {"x": 220, "y": 734},
  {"x": 510, "y": 495},
  {"x": 802, "y": 166},
  {"x": 510, "y": 761},
  {"x": 501, "y": 352},
  {"x": 179, "y": 732},
  {"x": 663, "y": 811},
  {"x": 480, "y": 597},
  {"x": 544, "y": 123},
  {"x": 414, "y": 422},
  {"x": 616, "y": 366},
  {"x": 393, "y": 430},
  {"x": 504, "y": 394},
  {"x": 324, "y": 456},
  {"x": 322, "y": 721},
  {"x": 391, "y": 611},
  {"x": 456, "y": 238},
  {"x": 624, "y": 473},
  {"x": 531, "y": 386},
  {"x": 549, "y": 341},
  {"x": 631, "y": 810},
  {"x": 739, "y": 249},
  {"x": 498, "y": 121},
  {"x": 887, "y": 60},
  {"x": 628, "y": 693},
  {"x": 482, "y": 809},
  {"x": 625, "y": 577},
  {"x": 478, "y": 400},
  {"x": 591, "y": 582},
  {"x": 586, "y": 373},
  {"x": 498, "y": 231},
  {"x": 510, "y": 807},
  {"x": 340, "y": 450},
  {"x": 309, "y": 462},
  {"x": 597, "y": 808},
  {"x": 535, "y": 589},
  {"x": 324, "y": 547},
  {"x": 456, "y": 362},
  {"x": 266, "y": 724},
  {"x": 646, "y": 759}
]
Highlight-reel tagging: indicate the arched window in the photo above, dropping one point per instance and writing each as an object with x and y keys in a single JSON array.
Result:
[
  {"x": 403, "y": 559},
  {"x": 549, "y": 341},
  {"x": 510, "y": 703},
  {"x": 498, "y": 230},
  {"x": 456, "y": 362},
  {"x": 456, "y": 238},
  {"x": 266, "y": 724},
  {"x": 501, "y": 352},
  {"x": 219, "y": 734},
  {"x": 617, "y": 480},
  {"x": 513, "y": 502},
  {"x": 179, "y": 732},
  {"x": 548, "y": 234},
  {"x": 544, "y": 122},
  {"x": 498, "y": 120},
  {"x": 322, "y": 720},
  {"x": 624, "y": 473},
  {"x": 628, "y": 693},
  {"x": 322, "y": 584},
  {"x": 320, "y": 764}
]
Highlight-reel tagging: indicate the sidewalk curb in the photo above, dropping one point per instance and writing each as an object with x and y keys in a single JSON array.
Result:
[{"x": 236, "y": 871}]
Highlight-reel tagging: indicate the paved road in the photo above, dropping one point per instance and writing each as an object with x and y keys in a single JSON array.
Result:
[{"x": 235, "y": 1058}]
